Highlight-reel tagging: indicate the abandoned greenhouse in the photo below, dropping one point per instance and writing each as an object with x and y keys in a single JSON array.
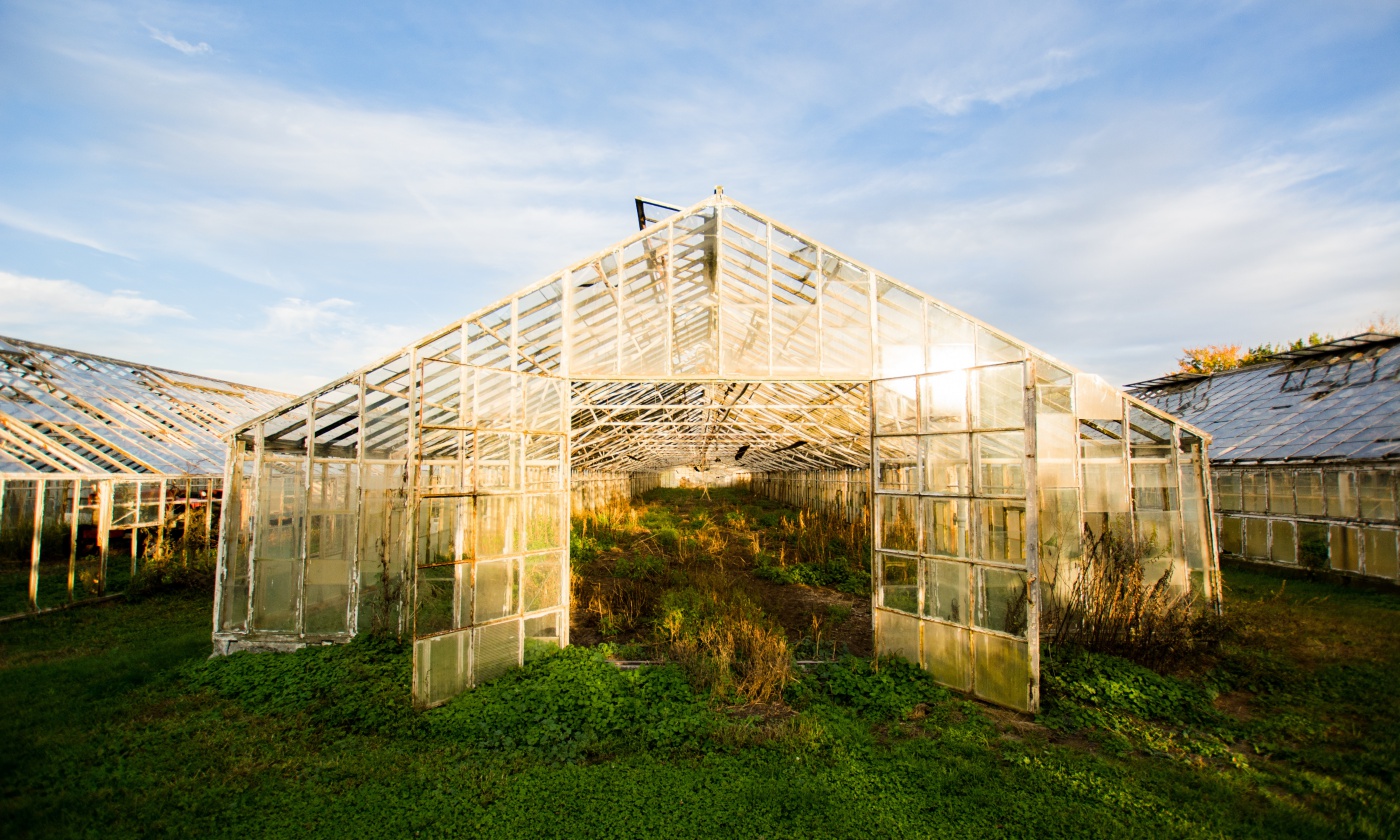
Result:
[
  {"x": 103, "y": 462},
  {"x": 432, "y": 489},
  {"x": 1306, "y": 453}
]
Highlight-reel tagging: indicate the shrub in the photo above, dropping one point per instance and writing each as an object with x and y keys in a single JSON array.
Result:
[
  {"x": 725, "y": 644},
  {"x": 1113, "y": 609}
]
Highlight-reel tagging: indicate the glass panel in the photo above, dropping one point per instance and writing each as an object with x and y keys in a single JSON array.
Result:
[
  {"x": 1376, "y": 489},
  {"x": 544, "y": 524},
  {"x": 498, "y": 529},
  {"x": 1001, "y": 460},
  {"x": 845, "y": 305},
  {"x": 440, "y": 667},
  {"x": 945, "y": 527},
  {"x": 1345, "y": 546},
  {"x": 1255, "y": 492},
  {"x": 895, "y": 406},
  {"x": 1281, "y": 492},
  {"x": 1380, "y": 553},
  {"x": 899, "y": 587},
  {"x": 943, "y": 401},
  {"x": 1339, "y": 489},
  {"x": 900, "y": 316},
  {"x": 795, "y": 344},
  {"x": 899, "y": 530},
  {"x": 55, "y": 543},
  {"x": 951, "y": 345},
  {"x": 1002, "y": 670},
  {"x": 644, "y": 296},
  {"x": 278, "y": 563},
  {"x": 898, "y": 463},
  {"x": 1281, "y": 546},
  {"x": 1228, "y": 493},
  {"x": 948, "y": 655},
  {"x": 330, "y": 558},
  {"x": 1001, "y": 600},
  {"x": 542, "y": 585},
  {"x": 497, "y": 588},
  {"x": 16, "y": 541},
  {"x": 1307, "y": 486},
  {"x": 1256, "y": 539},
  {"x": 992, "y": 348},
  {"x": 947, "y": 464},
  {"x": 897, "y": 635},
  {"x": 496, "y": 650},
  {"x": 999, "y": 394},
  {"x": 1232, "y": 535},
  {"x": 945, "y": 591},
  {"x": 1003, "y": 527},
  {"x": 444, "y": 530}
]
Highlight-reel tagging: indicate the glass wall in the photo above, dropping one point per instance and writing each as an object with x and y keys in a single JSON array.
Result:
[
  {"x": 1341, "y": 517},
  {"x": 65, "y": 539}
]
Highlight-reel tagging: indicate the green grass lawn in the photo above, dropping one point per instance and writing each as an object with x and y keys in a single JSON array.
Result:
[{"x": 115, "y": 724}]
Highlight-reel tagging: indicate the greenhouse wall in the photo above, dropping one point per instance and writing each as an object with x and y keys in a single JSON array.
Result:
[
  {"x": 1340, "y": 517},
  {"x": 68, "y": 539}
]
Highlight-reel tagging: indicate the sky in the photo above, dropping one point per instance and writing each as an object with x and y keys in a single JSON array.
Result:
[{"x": 278, "y": 193}]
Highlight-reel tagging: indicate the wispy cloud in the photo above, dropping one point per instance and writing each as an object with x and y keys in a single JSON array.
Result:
[
  {"x": 36, "y": 302},
  {"x": 19, "y": 220},
  {"x": 176, "y": 44}
]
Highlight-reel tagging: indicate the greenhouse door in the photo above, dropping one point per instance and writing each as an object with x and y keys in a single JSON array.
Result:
[
  {"x": 489, "y": 518},
  {"x": 955, "y": 559}
]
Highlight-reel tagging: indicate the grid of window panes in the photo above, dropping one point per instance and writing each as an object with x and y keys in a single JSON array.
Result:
[
  {"x": 65, "y": 539},
  {"x": 491, "y": 525},
  {"x": 1345, "y": 519},
  {"x": 951, "y": 466}
]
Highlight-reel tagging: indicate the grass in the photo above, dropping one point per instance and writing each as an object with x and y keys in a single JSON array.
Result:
[{"x": 118, "y": 725}]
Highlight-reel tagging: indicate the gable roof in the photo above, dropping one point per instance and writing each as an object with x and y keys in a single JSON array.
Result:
[
  {"x": 714, "y": 321},
  {"x": 1334, "y": 401},
  {"x": 66, "y": 412}
]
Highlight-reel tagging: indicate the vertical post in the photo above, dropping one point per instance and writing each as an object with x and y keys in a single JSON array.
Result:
[
  {"x": 255, "y": 499},
  {"x": 36, "y": 544},
  {"x": 104, "y": 532},
  {"x": 768, "y": 273},
  {"x": 1032, "y": 537},
  {"x": 160, "y": 521},
  {"x": 77, "y": 485},
  {"x": 231, "y": 461}
]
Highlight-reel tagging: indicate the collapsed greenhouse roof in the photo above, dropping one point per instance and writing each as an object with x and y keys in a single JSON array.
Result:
[
  {"x": 63, "y": 412},
  {"x": 1339, "y": 400}
]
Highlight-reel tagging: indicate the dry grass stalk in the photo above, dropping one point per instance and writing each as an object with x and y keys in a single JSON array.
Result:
[{"x": 1114, "y": 609}]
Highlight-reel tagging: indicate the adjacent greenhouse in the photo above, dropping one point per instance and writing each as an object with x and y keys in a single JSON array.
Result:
[
  {"x": 103, "y": 463},
  {"x": 1306, "y": 454},
  {"x": 431, "y": 491}
]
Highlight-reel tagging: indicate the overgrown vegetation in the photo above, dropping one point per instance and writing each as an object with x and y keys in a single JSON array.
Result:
[
  {"x": 1112, "y": 608},
  {"x": 682, "y": 575},
  {"x": 119, "y": 725}
]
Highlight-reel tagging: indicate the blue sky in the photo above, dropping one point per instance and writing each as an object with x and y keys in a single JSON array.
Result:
[{"x": 279, "y": 192}]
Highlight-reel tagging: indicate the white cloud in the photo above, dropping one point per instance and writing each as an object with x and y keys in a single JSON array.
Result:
[
  {"x": 176, "y": 44},
  {"x": 34, "y": 301}
]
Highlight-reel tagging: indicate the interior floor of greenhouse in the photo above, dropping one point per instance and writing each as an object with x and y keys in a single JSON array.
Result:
[{"x": 632, "y": 559}]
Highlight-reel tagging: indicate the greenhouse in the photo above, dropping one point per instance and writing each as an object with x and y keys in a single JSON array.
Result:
[
  {"x": 431, "y": 491},
  {"x": 1306, "y": 455},
  {"x": 102, "y": 463}
]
